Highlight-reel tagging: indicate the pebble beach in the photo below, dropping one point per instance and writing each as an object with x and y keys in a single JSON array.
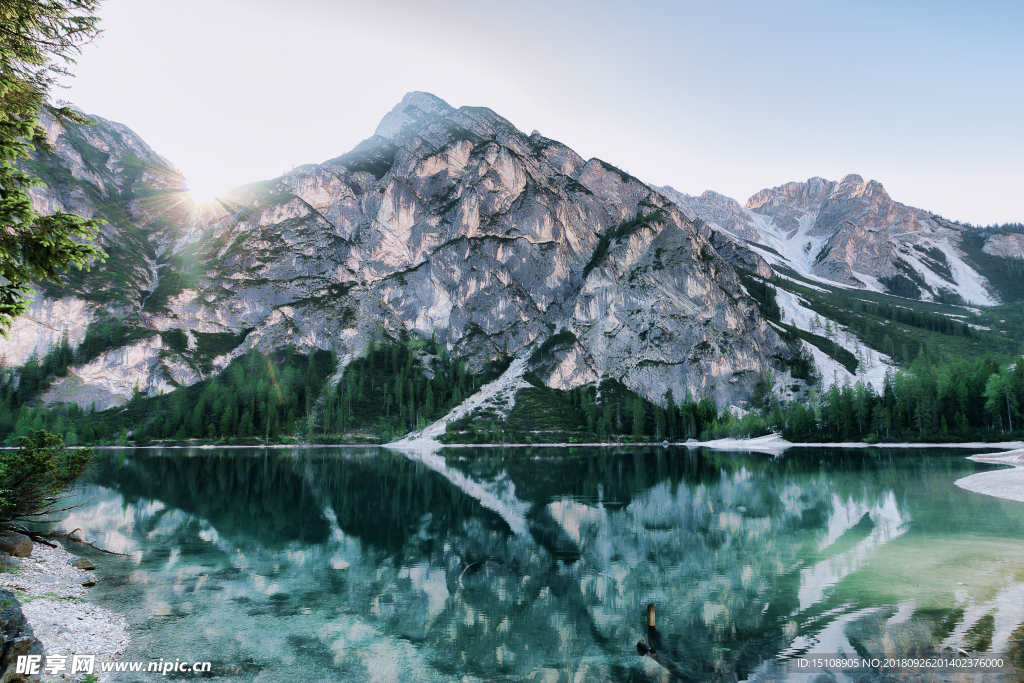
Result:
[{"x": 56, "y": 605}]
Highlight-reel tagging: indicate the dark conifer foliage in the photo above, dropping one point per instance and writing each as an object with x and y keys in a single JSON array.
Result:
[
  {"x": 397, "y": 387},
  {"x": 400, "y": 386},
  {"x": 608, "y": 411},
  {"x": 257, "y": 397},
  {"x": 964, "y": 399},
  {"x": 393, "y": 389}
]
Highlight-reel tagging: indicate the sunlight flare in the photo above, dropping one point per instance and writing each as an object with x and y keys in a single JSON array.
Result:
[{"x": 201, "y": 192}]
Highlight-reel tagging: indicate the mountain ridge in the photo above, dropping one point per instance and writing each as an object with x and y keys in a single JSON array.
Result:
[
  {"x": 451, "y": 224},
  {"x": 852, "y": 233},
  {"x": 454, "y": 225}
]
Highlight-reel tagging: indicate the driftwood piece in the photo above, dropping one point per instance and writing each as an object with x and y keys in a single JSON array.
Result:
[
  {"x": 70, "y": 536},
  {"x": 650, "y": 650},
  {"x": 643, "y": 648}
]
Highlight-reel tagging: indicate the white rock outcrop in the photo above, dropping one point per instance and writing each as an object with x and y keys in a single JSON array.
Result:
[
  {"x": 115, "y": 376},
  {"x": 1007, "y": 246},
  {"x": 43, "y": 325}
]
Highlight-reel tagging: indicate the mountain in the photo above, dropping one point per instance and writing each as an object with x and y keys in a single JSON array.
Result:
[
  {"x": 102, "y": 171},
  {"x": 447, "y": 223},
  {"x": 509, "y": 251},
  {"x": 852, "y": 233}
]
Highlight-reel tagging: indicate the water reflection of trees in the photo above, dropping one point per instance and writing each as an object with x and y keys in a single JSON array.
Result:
[
  {"x": 246, "y": 495},
  {"x": 394, "y": 504},
  {"x": 611, "y": 475},
  {"x": 272, "y": 497}
]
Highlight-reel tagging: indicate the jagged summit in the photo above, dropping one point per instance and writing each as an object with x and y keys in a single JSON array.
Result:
[
  {"x": 850, "y": 232},
  {"x": 413, "y": 110},
  {"x": 813, "y": 191}
]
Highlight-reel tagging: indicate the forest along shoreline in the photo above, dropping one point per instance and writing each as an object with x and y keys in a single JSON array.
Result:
[
  {"x": 773, "y": 443},
  {"x": 399, "y": 389}
]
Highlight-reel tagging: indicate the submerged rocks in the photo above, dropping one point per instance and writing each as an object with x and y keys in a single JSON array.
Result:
[{"x": 82, "y": 563}]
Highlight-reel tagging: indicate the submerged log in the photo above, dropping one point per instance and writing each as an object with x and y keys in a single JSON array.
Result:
[{"x": 643, "y": 649}]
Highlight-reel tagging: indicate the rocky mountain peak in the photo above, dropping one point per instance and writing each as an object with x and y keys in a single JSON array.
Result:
[
  {"x": 854, "y": 185},
  {"x": 812, "y": 192},
  {"x": 711, "y": 195},
  {"x": 414, "y": 109},
  {"x": 851, "y": 232},
  {"x": 449, "y": 224}
]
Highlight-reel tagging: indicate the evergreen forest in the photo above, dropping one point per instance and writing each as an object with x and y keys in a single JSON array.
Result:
[{"x": 957, "y": 377}]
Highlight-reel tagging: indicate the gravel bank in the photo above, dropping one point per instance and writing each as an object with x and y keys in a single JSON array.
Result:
[
  {"x": 55, "y": 605},
  {"x": 1001, "y": 483}
]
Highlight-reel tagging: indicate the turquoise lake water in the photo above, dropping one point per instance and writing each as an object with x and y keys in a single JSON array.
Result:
[{"x": 538, "y": 563}]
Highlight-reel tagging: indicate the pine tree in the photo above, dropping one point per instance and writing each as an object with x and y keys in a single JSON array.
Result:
[{"x": 638, "y": 418}]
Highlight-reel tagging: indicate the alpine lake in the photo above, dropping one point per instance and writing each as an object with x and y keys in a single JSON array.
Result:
[{"x": 538, "y": 564}]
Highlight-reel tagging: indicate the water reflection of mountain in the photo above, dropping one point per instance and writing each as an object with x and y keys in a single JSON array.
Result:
[{"x": 510, "y": 563}]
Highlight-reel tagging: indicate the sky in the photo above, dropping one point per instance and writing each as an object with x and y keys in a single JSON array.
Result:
[{"x": 925, "y": 97}]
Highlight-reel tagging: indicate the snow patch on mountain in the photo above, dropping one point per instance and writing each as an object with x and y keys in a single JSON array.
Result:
[
  {"x": 798, "y": 247},
  {"x": 970, "y": 284},
  {"x": 870, "y": 283},
  {"x": 498, "y": 395},
  {"x": 872, "y": 366}
]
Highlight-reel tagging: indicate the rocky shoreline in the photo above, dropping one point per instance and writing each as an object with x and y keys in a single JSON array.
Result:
[
  {"x": 54, "y": 602},
  {"x": 771, "y": 444}
]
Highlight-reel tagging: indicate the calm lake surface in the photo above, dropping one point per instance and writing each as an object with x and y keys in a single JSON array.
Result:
[{"x": 538, "y": 564}]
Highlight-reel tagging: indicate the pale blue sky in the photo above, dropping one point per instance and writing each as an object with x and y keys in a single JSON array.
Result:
[{"x": 926, "y": 97}]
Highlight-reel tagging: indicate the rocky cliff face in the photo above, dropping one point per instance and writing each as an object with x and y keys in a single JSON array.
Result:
[
  {"x": 1007, "y": 246},
  {"x": 107, "y": 172},
  {"x": 457, "y": 225},
  {"x": 44, "y": 324},
  {"x": 447, "y": 222},
  {"x": 452, "y": 223},
  {"x": 850, "y": 232}
]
